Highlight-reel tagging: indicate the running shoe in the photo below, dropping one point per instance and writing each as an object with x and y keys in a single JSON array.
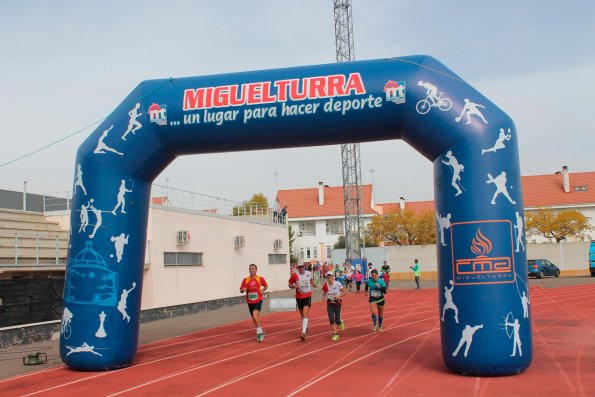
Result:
[
  {"x": 335, "y": 337},
  {"x": 380, "y": 329},
  {"x": 260, "y": 337},
  {"x": 342, "y": 326},
  {"x": 373, "y": 329},
  {"x": 303, "y": 337}
]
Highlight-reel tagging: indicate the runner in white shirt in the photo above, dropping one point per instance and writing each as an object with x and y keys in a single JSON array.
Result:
[
  {"x": 303, "y": 282},
  {"x": 332, "y": 292}
]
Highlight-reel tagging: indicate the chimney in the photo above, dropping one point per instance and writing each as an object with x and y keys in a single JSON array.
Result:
[
  {"x": 566, "y": 179},
  {"x": 320, "y": 193},
  {"x": 402, "y": 203}
]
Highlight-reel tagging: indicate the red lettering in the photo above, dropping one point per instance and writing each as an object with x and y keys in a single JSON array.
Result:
[
  {"x": 317, "y": 87},
  {"x": 335, "y": 85},
  {"x": 266, "y": 93},
  {"x": 282, "y": 89},
  {"x": 221, "y": 96},
  {"x": 209, "y": 98},
  {"x": 355, "y": 83},
  {"x": 193, "y": 99},
  {"x": 254, "y": 93},
  {"x": 233, "y": 96},
  {"x": 293, "y": 92}
]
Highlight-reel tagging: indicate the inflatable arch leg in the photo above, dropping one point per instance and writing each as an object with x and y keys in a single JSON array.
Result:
[{"x": 484, "y": 303}]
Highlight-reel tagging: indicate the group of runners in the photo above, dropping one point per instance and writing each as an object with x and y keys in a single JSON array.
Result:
[{"x": 333, "y": 291}]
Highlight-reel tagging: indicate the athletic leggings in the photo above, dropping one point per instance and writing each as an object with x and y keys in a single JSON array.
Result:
[{"x": 334, "y": 313}]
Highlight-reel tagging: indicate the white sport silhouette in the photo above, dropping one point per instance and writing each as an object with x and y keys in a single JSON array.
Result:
[
  {"x": 443, "y": 223},
  {"x": 84, "y": 217},
  {"x": 471, "y": 109},
  {"x": 98, "y": 218},
  {"x": 78, "y": 180},
  {"x": 101, "y": 330},
  {"x": 84, "y": 348},
  {"x": 121, "y": 201},
  {"x": 520, "y": 231},
  {"x": 457, "y": 168},
  {"x": 122, "y": 303},
  {"x": 102, "y": 147},
  {"x": 119, "y": 243},
  {"x": 517, "y": 339},
  {"x": 500, "y": 183},
  {"x": 133, "y": 124},
  {"x": 503, "y": 136},
  {"x": 467, "y": 338},
  {"x": 449, "y": 304},
  {"x": 525, "y": 302}
]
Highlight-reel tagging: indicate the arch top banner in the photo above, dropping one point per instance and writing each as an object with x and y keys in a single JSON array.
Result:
[{"x": 471, "y": 142}]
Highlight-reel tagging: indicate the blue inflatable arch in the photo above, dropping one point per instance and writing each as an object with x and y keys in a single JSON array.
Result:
[{"x": 484, "y": 305}]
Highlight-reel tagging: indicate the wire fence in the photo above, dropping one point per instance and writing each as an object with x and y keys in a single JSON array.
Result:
[{"x": 187, "y": 200}]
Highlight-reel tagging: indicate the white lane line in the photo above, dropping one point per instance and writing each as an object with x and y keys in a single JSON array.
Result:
[
  {"x": 307, "y": 354},
  {"x": 359, "y": 359}
]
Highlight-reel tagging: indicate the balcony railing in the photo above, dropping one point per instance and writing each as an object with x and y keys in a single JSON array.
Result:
[{"x": 32, "y": 248}]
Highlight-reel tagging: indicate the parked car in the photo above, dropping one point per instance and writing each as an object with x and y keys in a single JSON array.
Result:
[
  {"x": 592, "y": 258},
  {"x": 542, "y": 267}
]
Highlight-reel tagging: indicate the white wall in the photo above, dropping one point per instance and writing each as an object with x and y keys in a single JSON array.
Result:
[
  {"x": 571, "y": 258},
  {"x": 224, "y": 266}
]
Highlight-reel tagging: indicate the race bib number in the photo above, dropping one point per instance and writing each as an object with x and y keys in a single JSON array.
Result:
[
  {"x": 252, "y": 296},
  {"x": 375, "y": 293},
  {"x": 304, "y": 284},
  {"x": 331, "y": 297}
]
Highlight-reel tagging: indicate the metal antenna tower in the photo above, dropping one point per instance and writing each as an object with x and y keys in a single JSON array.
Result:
[{"x": 350, "y": 158}]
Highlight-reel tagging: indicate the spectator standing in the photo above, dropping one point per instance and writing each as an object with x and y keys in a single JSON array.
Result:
[{"x": 417, "y": 272}]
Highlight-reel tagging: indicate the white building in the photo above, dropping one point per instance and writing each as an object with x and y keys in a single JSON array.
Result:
[{"x": 316, "y": 215}]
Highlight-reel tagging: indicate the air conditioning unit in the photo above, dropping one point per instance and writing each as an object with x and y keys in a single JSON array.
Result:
[
  {"x": 239, "y": 241},
  {"x": 278, "y": 244},
  {"x": 183, "y": 237}
]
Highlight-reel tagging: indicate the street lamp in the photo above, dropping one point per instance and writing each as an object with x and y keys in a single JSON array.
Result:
[{"x": 25, "y": 195}]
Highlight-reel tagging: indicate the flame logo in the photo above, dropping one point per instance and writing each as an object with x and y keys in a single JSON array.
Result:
[{"x": 481, "y": 245}]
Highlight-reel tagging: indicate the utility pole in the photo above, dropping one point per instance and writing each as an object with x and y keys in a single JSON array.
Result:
[{"x": 350, "y": 156}]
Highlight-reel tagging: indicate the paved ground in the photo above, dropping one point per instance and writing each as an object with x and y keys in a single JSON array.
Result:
[{"x": 11, "y": 358}]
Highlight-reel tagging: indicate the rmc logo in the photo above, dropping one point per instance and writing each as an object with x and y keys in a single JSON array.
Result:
[{"x": 482, "y": 252}]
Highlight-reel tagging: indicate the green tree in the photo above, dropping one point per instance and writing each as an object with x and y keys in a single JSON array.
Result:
[
  {"x": 368, "y": 240},
  {"x": 559, "y": 225},
  {"x": 340, "y": 243},
  {"x": 256, "y": 205},
  {"x": 403, "y": 228}
]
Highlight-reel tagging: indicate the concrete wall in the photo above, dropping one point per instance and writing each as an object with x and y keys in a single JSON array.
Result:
[{"x": 571, "y": 258}]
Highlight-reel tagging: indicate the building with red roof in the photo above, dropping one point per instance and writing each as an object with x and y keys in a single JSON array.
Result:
[{"x": 317, "y": 214}]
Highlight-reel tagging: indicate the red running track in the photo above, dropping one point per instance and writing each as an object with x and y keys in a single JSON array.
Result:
[{"x": 405, "y": 360}]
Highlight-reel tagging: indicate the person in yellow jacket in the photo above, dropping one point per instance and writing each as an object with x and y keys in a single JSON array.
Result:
[{"x": 417, "y": 272}]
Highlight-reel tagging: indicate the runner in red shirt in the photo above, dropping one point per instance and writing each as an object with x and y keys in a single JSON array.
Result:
[
  {"x": 303, "y": 283},
  {"x": 254, "y": 287}
]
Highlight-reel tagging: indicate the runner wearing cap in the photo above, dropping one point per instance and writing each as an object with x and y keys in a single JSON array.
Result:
[
  {"x": 333, "y": 291},
  {"x": 377, "y": 289},
  {"x": 303, "y": 282},
  {"x": 254, "y": 287}
]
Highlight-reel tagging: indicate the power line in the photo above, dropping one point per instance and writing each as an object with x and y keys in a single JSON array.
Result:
[{"x": 77, "y": 131}]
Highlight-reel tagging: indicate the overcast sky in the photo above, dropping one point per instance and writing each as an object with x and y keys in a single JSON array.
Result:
[{"x": 67, "y": 64}]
